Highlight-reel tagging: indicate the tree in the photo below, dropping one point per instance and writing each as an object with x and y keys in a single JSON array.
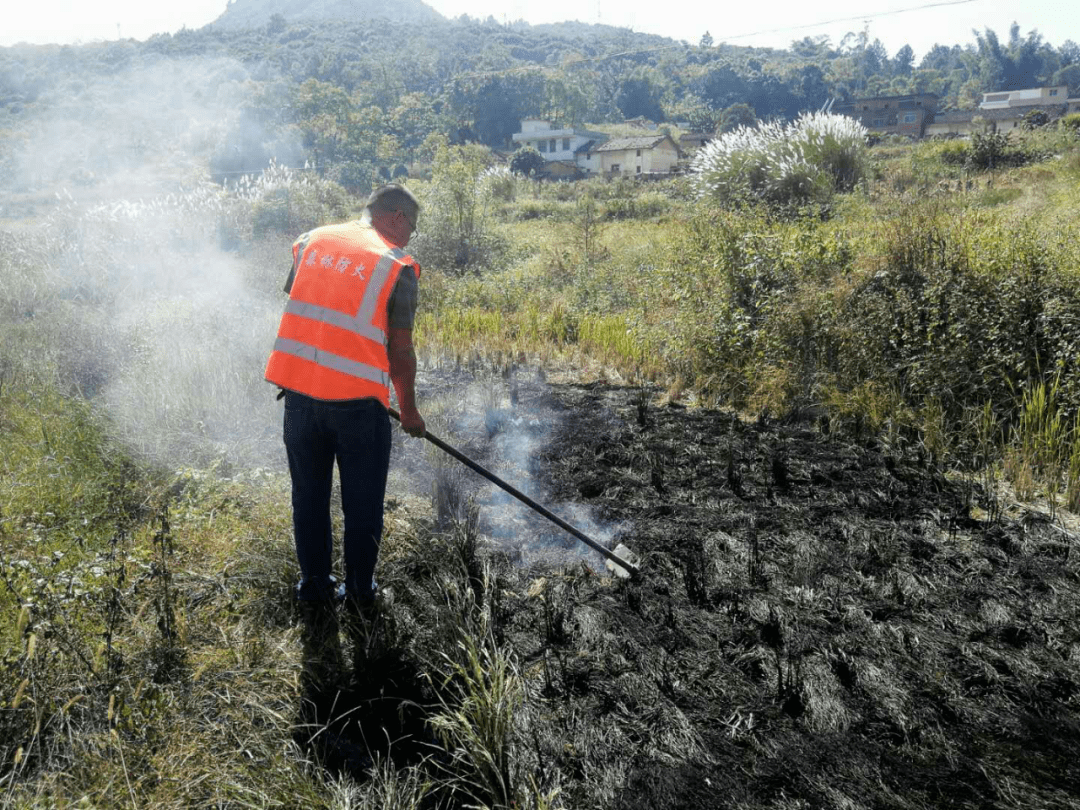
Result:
[
  {"x": 527, "y": 161},
  {"x": 813, "y": 90},
  {"x": 276, "y": 25},
  {"x": 1069, "y": 75},
  {"x": 566, "y": 99},
  {"x": 903, "y": 61},
  {"x": 816, "y": 48},
  {"x": 457, "y": 232},
  {"x": 638, "y": 95},
  {"x": 735, "y": 116},
  {"x": 720, "y": 86},
  {"x": 941, "y": 57},
  {"x": 1069, "y": 53}
]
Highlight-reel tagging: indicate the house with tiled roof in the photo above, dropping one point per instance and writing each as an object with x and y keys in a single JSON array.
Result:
[{"x": 632, "y": 156}]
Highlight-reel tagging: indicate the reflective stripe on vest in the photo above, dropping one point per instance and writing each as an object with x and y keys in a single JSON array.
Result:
[{"x": 321, "y": 357}]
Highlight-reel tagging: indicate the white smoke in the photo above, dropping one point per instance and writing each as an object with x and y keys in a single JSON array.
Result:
[
  {"x": 134, "y": 299},
  {"x": 511, "y": 433}
]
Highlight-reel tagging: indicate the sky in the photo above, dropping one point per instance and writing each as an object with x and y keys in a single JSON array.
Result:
[{"x": 766, "y": 23}]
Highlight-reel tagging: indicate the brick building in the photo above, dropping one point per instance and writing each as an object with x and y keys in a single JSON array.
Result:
[{"x": 900, "y": 115}]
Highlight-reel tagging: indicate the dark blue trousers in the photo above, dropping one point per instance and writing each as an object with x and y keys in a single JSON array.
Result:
[{"x": 355, "y": 434}]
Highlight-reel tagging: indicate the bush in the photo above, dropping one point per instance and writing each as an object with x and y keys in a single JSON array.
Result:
[
  {"x": 457, "y": 229},
  {"x": 954, "y": 152},
  {"x": 289, "y": 202},
  {"x": 958, "y": 311},
  {"x": 964, "y": 312},
  {"x": 641, "y": 206},
  {"x": 540, "y": 209},
  {"x": 990, "y": 150},
  {"x": 786, "y": 165},
  {"x": 500, "y": 183},
  {"x": 1070, "y": 122}
]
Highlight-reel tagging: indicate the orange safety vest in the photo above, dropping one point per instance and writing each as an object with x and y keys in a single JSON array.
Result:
[{"x": 331, "y": 344}]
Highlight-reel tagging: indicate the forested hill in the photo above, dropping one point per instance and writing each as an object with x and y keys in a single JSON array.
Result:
[
  {"x": 362, "y": 93},
  {"x": 242, "y": 14}
]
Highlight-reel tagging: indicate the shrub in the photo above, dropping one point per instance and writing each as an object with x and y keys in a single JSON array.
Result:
[
  {"x": 289, "y": 202},
  {"x": 500, "y": 183},
  {"x": 1070, "y": 122},
  {"x": 964, "y": 311},
  {"x": 793, "y": 164},
  {"x": 457, "y": 229},
  {"x": 954, "y": 152},
  {"x": 641, "y": 206}
]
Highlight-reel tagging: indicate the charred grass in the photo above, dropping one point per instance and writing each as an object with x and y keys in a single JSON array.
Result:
[{"x": 818, "y": 624}]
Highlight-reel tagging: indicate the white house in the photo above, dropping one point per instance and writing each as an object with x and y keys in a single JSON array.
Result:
[
  {"x": 555, "y": 144},
  {"x": 1025, "y": 98},
  {"x": 1004, "y": 111}
]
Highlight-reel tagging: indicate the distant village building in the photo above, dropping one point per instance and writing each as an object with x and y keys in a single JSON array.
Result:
[
  {"x": 1004, "y": 111},
  {"x": 917, "y": 115},
  {"x": 555, "y": 143},
  {"x": 571, "y": 153},
  {"x": 1036, "y": 96},
  {"x": 899, "y": 115},
  {"x": 636, "y": 155},
  {"x": 692, "y": 141}
]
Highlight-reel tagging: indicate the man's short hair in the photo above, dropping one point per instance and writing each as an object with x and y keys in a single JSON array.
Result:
[{"x": 392, "y": 197}]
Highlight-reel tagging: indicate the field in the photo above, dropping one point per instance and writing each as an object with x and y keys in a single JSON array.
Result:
[{"x": 842, "y": 440}]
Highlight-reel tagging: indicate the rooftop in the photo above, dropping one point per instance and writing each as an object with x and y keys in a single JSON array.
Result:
[{"x": 634, "y": 142}]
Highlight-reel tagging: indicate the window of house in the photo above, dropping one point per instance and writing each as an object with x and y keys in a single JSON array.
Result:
[
  {"x": 879, "y": 122},
  {"x": 1053, "y": 92},
  {"x": 552, "y": 145},
  {"x": 639, "y": 153},
  {"x": 566, "y": 144},
  {"x": 542, "y": 145},
  {"x": 639, "y": 168},
  {"x": 909, "y": 118},
  {"x": 614, "y": 167}
]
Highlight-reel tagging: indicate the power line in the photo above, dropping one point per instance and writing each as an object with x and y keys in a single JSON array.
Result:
[
  {"x": 656, "y": 49},
  {"x": 851, "y": 19}
]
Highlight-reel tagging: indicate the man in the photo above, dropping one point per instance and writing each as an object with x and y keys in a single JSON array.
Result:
[{"x": 346, "y": 334}]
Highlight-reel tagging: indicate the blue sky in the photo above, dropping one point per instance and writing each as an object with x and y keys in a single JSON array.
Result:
[{"x": 766, "y": 23}]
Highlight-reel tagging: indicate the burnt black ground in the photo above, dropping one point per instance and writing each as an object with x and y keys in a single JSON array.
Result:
[{"x": 818, "y": 622}]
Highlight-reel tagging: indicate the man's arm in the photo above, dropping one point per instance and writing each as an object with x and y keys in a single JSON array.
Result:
[{"x": 403, "y": 375}]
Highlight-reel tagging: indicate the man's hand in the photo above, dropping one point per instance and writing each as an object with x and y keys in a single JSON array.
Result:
[{"x": 412, "y": 422}]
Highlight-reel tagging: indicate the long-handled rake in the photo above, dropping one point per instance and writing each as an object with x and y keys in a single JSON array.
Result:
[{"x": 622, "y": 566}]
